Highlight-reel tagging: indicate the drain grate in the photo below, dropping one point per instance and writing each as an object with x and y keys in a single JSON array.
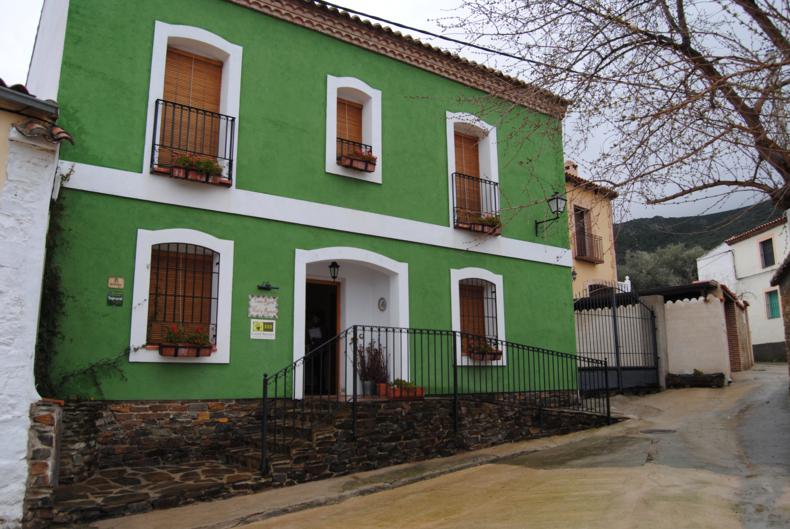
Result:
[{"x": 657, "y": 430}]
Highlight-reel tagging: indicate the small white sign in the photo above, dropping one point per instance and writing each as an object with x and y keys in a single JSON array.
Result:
[
  {"x": 263, "y": 307},
  {"x": 263, "y": 329}
]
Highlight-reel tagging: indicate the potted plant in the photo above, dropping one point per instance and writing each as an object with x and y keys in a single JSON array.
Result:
[
  {"x": 371, "y": 366},
  {"x": 483, "y": 351},
  {"x": 359, "y": 159},
  {"x": 491, "y": 223},
  {"x": 183, "y": 342},
  {"x": 402, "y": 390},
  {"x": 181, "y": 166}
]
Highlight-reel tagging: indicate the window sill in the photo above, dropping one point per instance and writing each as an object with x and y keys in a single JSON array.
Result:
[
  {"x": 181, "y": 173},
  {"x": 479, "y": 228},
  {"x": 182, "y": 350}
]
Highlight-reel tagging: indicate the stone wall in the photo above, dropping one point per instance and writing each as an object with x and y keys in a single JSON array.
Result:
[
  {"x": 42, "y": 457},
  {"x": 395, "y": 432},
  {"x": 100, "y": 434}
]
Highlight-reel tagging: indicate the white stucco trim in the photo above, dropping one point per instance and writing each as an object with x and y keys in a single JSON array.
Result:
[
  {"x": 456, "y": 275},
  {"x": 489, "y": 159},
  {"x": 264, "y": 206},
  {"x": 201, "y": 42},
  {"x": 142, "y": 277},
  {"x": 43, "y": 77},
  {"x": 355, "y": 90},
  {"x": 399, "y": 295}
]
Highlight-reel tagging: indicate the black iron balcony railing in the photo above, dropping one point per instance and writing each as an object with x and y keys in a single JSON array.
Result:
[
  {"x": 355, "y": 155},
  {"x": 192, "y": 143},
  {"x": 476, "y": 204},
  {"x": 390, "y": 363},
  {"x": 588, "y": 247}
]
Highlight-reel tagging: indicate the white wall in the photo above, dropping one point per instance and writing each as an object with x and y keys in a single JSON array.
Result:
[
  {"x": 718, "y": 265},
  {"x": 754, "y": 280},
  {"x": 696, "y": 336},
  {"x": 24, "y": 216}
]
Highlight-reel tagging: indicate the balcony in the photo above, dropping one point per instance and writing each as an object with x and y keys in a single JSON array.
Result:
[
  {"x": 192, "y": 144},
  {"x": 476, "y": 204},
  {"x": 588, "y": 247},
  {"x": 355, "y": 155}
]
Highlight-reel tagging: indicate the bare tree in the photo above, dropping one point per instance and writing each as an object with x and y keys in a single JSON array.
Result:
[{"x": 694, "y": 92}]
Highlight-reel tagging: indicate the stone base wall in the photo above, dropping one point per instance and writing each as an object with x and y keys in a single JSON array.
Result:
[
  {"x": 100, "y": 434},
  {"x": 42, "y": 457},
  {"x": 395, "y": 432}
]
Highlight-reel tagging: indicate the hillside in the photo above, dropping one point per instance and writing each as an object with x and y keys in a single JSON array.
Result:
[{"x": 705, "y": 231}]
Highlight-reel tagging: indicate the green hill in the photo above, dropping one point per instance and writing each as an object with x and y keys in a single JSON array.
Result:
[{"x": 706, "y": 231}]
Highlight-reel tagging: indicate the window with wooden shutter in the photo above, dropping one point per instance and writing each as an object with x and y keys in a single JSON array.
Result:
[
  {"x": 467, "y": 190},
  {"x": 182, "y": 290},
  {"x": 191, "y": 126},
  {"x": 478, "y": 313}
]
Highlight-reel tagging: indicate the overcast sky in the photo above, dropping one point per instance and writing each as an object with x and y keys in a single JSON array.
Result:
[{"x": 20, "y": 20}]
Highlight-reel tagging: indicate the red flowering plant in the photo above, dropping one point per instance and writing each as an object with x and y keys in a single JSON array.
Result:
[{"x": 178, "y": 334}]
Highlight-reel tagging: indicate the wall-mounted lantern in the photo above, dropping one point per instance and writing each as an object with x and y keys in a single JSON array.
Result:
[
  {"x": 334, "y": 268},
  {"x": 556, "y": 204}
]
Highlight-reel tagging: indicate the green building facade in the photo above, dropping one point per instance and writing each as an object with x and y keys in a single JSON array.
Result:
[{"x": 244, "y": 256}]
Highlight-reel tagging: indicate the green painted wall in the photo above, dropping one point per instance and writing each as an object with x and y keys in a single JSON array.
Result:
[
  {"x": 104, "y": 90},
  {"x": 99, "y": 241}
]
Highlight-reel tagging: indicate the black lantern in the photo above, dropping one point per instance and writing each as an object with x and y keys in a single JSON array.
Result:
[
  {"x": 334, "y": 268},
  {"x": 556, "y": 204}
]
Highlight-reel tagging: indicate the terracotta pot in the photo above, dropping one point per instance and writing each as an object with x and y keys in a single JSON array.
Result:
[
  {"x": 407, "y": 393},
  {"x": 168, "y": 349},
  {"x": 221, "y": 181},
  {"x": 382, "y": 389},
  {"x": 205, "y": 350},
  {"x": 178, "y": 172},
  {"x": 197, "y": 176}
]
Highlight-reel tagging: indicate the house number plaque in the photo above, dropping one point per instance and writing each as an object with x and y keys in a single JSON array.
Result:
[{"x": 263, "y": 329}]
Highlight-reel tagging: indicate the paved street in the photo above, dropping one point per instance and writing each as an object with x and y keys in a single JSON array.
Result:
[{"x": 692, "y": 458}]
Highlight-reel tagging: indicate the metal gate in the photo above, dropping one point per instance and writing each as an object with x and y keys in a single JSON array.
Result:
[{"x": 614, "y": 325}]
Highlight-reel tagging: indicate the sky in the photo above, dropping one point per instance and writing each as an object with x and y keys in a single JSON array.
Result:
[{"x": 20, "y": 20}]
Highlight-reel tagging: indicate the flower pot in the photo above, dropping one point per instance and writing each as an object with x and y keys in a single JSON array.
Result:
[
  {"x": 188, "y": 350},
  {"x": 221, "y": 180},
  {"x": 168, "y": 349},
  {"x": 368, "y": 388},
  {"x": 178, "y": 172},
  {"x": 492, "y": 356},
  {"x": 356, "y": 163},
  {"x": 406, "y": 393},
  {"x": 492, "y": 230},
  {"x": 205, "y": 350},
  {"x": 197, "y": 176},
  {"x": 382, "y": 389}
]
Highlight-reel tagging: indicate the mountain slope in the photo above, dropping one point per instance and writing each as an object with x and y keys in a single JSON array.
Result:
[{"x": 705, "y": 231}]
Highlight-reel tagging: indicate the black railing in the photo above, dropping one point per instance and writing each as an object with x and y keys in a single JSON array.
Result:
[
  {"x": 476, "y": 204},
  {"x": 355, "y": 155},
  {"x": 384, "y": 363},
  {"x": 588, "y": 247},
  {"x": 192, "y": 143}
]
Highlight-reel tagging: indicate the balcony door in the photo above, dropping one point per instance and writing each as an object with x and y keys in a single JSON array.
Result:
[
  {"x": 467, "y": 173},
  {"x": 580, "y": 229},
  {"x": 191, "y": 123}
]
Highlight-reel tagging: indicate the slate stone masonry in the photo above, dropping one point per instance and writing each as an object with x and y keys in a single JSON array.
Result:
[{"x": 42, "y": 457}]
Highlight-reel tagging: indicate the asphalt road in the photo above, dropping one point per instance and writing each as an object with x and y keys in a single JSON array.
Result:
[{"x": 693, "y": 458}]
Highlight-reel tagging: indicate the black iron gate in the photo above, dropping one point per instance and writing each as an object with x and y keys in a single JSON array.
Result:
[{"x": 614, "y": 325}]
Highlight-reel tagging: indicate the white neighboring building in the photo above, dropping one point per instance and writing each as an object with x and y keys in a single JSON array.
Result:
[{"x": 746, "y": 262}]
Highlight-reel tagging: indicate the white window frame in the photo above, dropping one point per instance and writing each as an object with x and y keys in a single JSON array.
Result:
[
  {"x": 767, "y": 303},
  {"x": 470, "y": 124},
  {"x": 204, "y": 43},
  {"x": 146, "y": 239},
  {"x": 456, "y": 276},
  {"x": 355, "y": 90}
]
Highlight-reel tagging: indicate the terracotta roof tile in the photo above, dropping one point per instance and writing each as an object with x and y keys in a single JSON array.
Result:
[
  {"x": 751, "y": 232},
  {"x": 572, "y": 176},
  {"x": 405, "y": 48}
]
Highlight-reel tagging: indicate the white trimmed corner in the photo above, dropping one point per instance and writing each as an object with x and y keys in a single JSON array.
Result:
[
  {"x": 489, "y": 160},
  {"x": 354, "y": 90},
  {"x": 200, "y": 42},
  {"x": 399, "y": 294},
  {"x": 456, "y": 275},
  {"x": 142, "y": 277}
]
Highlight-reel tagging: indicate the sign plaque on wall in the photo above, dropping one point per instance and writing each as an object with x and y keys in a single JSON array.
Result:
[
  {"x": 262, "y": 329},
  {"x": 263, "y": 307},
  {"x": 115, "y": 282}
]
